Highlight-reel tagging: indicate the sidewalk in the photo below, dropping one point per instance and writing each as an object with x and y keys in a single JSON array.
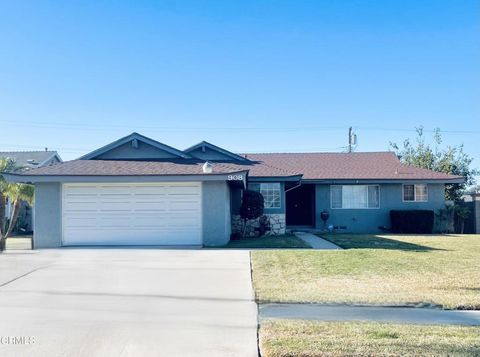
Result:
[
  {"x": 407, "y": 315},
  {"x": 316, "y": 242}
]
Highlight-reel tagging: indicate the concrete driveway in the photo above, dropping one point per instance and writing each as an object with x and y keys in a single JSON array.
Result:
[{"x": 127, "y": 302}]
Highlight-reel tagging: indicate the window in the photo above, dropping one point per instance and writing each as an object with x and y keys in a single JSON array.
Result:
[
  {"x": 270, "y": 193},
  {"x": 355, "y": 196},
  {"x": 415, "y": 193}
]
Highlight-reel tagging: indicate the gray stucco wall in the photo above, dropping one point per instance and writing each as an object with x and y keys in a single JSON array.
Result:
[
  {"x": 209, "y": 154},
  {"x": 216, "y": 213},
  {"x": 48, "y": 223},
  {"x": 127, "y": 152},
  {"x": 368, "y": 220}
]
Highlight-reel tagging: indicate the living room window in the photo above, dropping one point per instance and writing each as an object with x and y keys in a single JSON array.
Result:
[
  {"x": 270, "y": 192},
  {"x": 415, "y": 193},
  {"x": 355, "y": 196}
]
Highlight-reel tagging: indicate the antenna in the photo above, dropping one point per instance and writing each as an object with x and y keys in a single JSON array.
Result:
[{"x": 352, "y": 139}]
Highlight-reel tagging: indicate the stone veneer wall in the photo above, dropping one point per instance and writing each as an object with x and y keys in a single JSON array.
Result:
[{"x": 277, "y": 225}]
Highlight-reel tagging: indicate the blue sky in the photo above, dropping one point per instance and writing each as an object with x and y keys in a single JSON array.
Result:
[{"x": 251, "y": 76}]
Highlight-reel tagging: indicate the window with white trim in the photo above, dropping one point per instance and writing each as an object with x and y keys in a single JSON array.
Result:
[
  {"x": 355, "y": 196},
  {"x": 415, "y": 193},
  {"x": 270, "y": 192}
]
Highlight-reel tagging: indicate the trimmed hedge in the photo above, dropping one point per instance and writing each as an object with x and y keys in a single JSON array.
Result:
[{"x": 412, "y": 221}]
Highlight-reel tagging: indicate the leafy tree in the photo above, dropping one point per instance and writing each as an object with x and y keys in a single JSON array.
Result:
[
  {"x": 252, "y": 207},
  {"x": 462, "y": 213},
  {"x": 450, "y": 160},
  {"x": 16, "y": 193},
  {"x": 474, "y": 189}
]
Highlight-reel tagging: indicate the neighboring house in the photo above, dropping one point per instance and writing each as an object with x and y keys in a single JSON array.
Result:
[
  {"x": 137, "y": 191},
  {"x": 29, "y": 160}
]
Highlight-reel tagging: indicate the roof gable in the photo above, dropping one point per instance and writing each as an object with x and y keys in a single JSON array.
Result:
[
  {"x": 207, "y": 151},
  {"x": 135, "y": 147},
  {"x": 30, "y": 159}
]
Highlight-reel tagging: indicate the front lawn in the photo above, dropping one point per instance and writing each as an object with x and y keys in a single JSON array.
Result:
[
  {"x": 283, "y": 241},
  {"x": 311, "y": 338},
  {"x": 375, "y": 269}
]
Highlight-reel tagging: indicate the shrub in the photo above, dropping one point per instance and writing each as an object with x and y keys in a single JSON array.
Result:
[
  {"x": 251, "y": 207},
  {"x": 412, "y": 221},
  {"x": 235, "y": 236}
]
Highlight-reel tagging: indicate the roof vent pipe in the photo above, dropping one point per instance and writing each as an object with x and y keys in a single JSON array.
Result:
[{"x": 207, "y": 167}]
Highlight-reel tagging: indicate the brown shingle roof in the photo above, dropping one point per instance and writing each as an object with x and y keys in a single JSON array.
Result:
[
  {"x": 313, "y": 166},
  {"x": 145, "y": 168},
  {"x": 357, "y": 165}
]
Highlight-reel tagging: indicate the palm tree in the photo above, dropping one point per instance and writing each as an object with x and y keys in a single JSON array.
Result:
[
  {"x": 5, "y": 165},
  {"x": 16, "y": 193}
]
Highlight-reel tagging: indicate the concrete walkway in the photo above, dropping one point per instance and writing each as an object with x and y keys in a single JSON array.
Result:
[
  {"x": 404, "y": 315},
  {"x": 316, "y": 242}
]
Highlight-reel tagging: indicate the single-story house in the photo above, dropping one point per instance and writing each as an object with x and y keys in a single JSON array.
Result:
[
  {"x": 28, "y": 160},
  {"x": 138, "y": 191}
]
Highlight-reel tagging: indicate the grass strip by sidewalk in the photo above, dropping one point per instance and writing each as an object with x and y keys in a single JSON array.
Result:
[{"x": 281, "y": 338}]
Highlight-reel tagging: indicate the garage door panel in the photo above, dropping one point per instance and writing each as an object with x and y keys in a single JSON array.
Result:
[
  {"x": 140, "y": 206},
  {"x": 150, "y": 190},
  {"x": 84, "y": 222},
  {"x": 112, "y": 188},
  {"x": 118, "y": 206},
  {"x": 141, "y": 237},
  {"x": 133, "y": 214},
  {"x": 75, "y": 190}
]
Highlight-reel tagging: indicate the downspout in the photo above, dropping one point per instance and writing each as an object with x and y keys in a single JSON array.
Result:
[{"x": 294, "y": 187}]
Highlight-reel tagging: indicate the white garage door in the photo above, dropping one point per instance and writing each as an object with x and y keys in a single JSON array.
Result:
[{"x": 132, "y": 214}]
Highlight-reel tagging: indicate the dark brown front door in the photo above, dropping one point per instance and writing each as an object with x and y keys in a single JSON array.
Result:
[{"x": 300, "y": 206}]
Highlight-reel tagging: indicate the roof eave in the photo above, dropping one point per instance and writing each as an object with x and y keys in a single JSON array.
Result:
[
  {"x": 227, "y": 176},
  {"x": 275, "y": 178},
  {"x": 216, "y": 148},
  {"x": 383, "y": 180}
]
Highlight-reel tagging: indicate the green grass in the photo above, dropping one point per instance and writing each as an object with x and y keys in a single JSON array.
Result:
[
  {"x": 310, "y": 338},
  {"x": 284, "y": 241},
  {"x": 383, "y": 269}
]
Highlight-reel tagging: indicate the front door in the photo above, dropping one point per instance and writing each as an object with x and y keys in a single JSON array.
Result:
[{"x": 300, "y": 206}]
